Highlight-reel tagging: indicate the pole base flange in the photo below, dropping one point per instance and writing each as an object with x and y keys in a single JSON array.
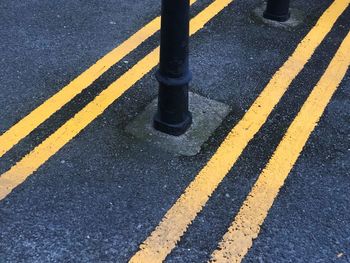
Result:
[
  {"x": 172, "y": 129},
  {"x": 278, "y": 18}
]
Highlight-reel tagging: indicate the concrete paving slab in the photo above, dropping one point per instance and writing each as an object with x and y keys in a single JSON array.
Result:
[
  {"x": 207, "y": 116},
  {"x": 296, "y": 18}
]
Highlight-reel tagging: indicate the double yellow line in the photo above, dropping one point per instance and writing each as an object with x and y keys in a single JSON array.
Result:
[
  {"x": 176, "y": 221},
  {"x": 26, "y": 125},
  {"x": 246, "y": 226},
  {"x": 37, "y": 157},
  {"x": 30, "y": 122}
]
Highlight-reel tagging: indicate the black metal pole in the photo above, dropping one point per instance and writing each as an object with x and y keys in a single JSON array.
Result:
[
  {"x": 173, "y": 116},
  {"x": 277, "y": 10}
]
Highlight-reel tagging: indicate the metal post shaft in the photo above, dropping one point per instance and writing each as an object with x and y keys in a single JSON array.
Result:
[
  {"x": 173, "y": 116},
  {"x": 277, "y": 10}
]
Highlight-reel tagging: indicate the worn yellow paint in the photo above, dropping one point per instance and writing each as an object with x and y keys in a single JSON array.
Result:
[
  {"x": 246, "y": 226},
  {"x": 176, "y": 221},
  {"x": 31, "y": 162},
  {"x": 26, "y": 125}
]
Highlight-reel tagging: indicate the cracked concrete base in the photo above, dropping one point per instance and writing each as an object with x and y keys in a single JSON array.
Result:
[
  {"x": 207, "y": 116},
  {"x": 296, "y": 18}
]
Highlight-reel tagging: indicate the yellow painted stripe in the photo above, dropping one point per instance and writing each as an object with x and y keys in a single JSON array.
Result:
[
  {"x": 31, "y": 162},
  {"x": 176, "y": 221},
  {"x": 246, "y": 226},
  {"x": 26, "y": 125}
]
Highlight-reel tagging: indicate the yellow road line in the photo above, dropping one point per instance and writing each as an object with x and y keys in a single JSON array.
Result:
[
  {"x": 246, "y": 226},
  {"x": 26, "y": 125},
  {"x": 176, "y": 221},
  {"x": 31, "y": 162}
]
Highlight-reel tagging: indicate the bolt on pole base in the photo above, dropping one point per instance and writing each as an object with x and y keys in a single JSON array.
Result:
[
  {"x": 277, "y": 10},
  {"x": 173, "y": 116}
]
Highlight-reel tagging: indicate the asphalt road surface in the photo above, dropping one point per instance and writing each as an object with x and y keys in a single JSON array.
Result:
[{"x": 271, "y": 184}]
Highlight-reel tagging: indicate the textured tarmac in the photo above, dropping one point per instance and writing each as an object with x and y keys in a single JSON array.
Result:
[{"x": 99, "y": 197}]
